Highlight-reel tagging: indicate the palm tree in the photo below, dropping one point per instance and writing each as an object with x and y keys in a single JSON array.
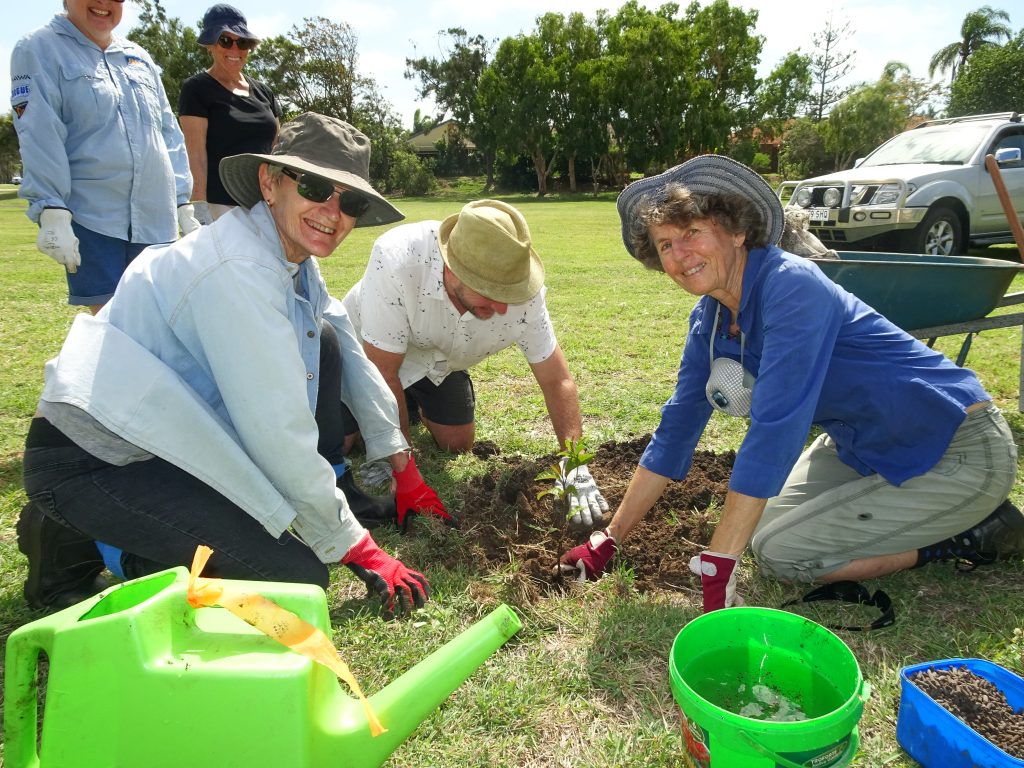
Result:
[{"x": 978, "y": 27}]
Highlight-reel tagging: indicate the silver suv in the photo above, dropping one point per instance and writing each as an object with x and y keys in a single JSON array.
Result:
[{"x": 925, "y": 190}]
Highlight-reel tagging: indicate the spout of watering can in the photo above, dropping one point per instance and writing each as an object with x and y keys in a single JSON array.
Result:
[{"x": 410, "y": 699}]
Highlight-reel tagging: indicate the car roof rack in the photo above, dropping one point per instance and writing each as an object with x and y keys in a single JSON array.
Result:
[{"x": 1013, "y": 117}]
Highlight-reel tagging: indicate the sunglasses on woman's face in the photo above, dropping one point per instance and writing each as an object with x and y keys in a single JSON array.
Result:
[
  {"x": 319, "y": 190},
  {"x": 243, "y": 43}
]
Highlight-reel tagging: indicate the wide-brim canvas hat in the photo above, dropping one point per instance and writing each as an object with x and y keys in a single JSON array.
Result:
[
  {"x": 487, "y": 246},
  {"x": 705, "y": 175},
  {"x": 318, "y": 144},
  {"x": 222, "y": 18}
]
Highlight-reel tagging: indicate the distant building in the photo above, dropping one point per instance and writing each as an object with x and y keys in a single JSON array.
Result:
[{"x": 424, "y": 143}]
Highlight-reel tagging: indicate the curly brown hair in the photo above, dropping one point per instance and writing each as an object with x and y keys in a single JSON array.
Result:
[{"x": 679, "y": 206}]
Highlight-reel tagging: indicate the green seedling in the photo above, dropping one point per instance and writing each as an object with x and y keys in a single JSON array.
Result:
[
  {"x": 561, "y": 492},
  {"x": 573, "y": 456}
]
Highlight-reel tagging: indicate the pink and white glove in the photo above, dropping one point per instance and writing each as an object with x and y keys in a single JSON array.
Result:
[
  {"x": 717, "y": 579},
  {"x": 590, "y": 559},
  {"x": 413, "y": 495},
  {"x": 387, "y": 577}
]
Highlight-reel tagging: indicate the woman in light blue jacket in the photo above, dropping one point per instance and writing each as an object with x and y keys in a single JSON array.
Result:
[
  {"x": 202, "y": 405},
  {"x": 105, "y": 168}
]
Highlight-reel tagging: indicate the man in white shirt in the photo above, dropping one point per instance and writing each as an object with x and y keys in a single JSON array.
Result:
[{"x": 439, "y": 297}]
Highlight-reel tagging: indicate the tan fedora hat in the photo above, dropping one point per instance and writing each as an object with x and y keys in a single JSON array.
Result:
[
  {"x": 487, "y": 246},
  {"x": 317, "y": 144}
]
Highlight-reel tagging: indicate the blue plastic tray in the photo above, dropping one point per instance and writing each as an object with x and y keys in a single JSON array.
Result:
[{"x": 938, "y": 739}]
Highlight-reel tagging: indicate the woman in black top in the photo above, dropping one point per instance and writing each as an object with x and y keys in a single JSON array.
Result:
[{"x": 222, "y": 111}]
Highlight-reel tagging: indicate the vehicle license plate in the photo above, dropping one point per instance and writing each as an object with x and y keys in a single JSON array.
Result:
[{"x": 819, "y": 214}]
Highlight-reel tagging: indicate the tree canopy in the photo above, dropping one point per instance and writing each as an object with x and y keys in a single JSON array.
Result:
[
  {"x": 992, "y": 80},
  {"x": 977, "y": 32}
]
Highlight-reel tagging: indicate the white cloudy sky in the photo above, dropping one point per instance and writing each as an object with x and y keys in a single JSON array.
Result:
[{"x": 883, "y": 30}]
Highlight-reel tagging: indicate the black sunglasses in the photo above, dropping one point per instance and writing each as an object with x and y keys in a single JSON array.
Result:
[
  {"x": 243, "y": 43},
  {"x": 852, "y": 592},
  {"x": 319, "y": 190}
]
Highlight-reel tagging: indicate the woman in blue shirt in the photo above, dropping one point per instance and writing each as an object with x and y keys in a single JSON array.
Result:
[
  {"x": 105, "y": 169},
  {"x": 913, "y": 457}
]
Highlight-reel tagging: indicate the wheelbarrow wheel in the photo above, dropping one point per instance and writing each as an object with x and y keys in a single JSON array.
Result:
[{"x": 941, "y": 233}]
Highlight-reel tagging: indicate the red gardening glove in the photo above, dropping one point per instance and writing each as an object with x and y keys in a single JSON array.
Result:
[
  {"x": 717, "y": 578},
  {"x": 412, "y": 494},
  {"x": 387, "y": 577},
  {"x": 589, "y": 559}
]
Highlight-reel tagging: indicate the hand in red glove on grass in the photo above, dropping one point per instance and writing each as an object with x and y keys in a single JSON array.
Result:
[
  {"x": 387, "y": 577},
  {"x": 413, "y": 495},
  {"x": 589, "y": 559}
]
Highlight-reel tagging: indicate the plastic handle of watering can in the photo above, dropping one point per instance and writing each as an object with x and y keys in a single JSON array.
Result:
[
  {"x": 847, "y": 756},
  {"x": 21, "y": 702}
]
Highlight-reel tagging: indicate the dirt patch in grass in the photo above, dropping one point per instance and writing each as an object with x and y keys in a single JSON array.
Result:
[{"x": 503, "y": 522}]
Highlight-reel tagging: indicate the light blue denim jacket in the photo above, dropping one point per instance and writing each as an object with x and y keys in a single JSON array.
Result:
[
  {"x": 208, "y": 358},
  {"x": 97, "y": 134}
]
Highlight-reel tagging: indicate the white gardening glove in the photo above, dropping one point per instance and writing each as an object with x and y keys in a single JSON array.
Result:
[
  {"x": 373, "y": 474},
  {"x": 56, "y": 238},
  {"x": 202, "y": 212},
  {"x": 717, "y": 579},
  {"x": 187, "y": 220},
  {"x": 586, "y": 505}
]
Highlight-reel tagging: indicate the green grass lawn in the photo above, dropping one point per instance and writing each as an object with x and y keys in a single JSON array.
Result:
[{"x": 585, "y": 682}]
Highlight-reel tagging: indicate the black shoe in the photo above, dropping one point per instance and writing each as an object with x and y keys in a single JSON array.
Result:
[
  {"x": 63, "y": 566},
  {"x": 371, "y": 511},
  {"x": 1001, "y": 534}
]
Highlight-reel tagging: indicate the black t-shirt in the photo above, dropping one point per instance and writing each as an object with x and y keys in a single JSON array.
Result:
[{"x": 235, "y": 124}]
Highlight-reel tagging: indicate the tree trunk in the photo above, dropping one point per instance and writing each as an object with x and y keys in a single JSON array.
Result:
[
  {"x": 489, "y": 169},
  {"x": 541, "y": 167},
  {"x": 572, "y": 172}
]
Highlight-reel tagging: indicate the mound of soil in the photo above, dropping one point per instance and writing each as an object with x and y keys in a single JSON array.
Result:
[{"x": 503, "y": 521}]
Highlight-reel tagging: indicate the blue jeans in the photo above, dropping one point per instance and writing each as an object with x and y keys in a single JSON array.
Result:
[
  {"x": 158, "y": 514},
  {"x": 104, "y": 260}
]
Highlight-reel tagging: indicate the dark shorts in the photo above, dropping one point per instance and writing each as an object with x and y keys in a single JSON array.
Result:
[
  {"x": 104, "y": 260},
  {"x": 451, "y": 403}
]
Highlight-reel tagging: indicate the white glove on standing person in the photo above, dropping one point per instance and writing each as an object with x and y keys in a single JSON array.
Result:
[
  {"x": 202, "y": 212},
  {"x": 586, "y": 506},
  {"x": 56, "y": 238},
  {"x": 187, "y": 221}
]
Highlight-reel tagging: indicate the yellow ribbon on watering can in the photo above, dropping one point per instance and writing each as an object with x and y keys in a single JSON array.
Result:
[{"x": 277, "y": 623}]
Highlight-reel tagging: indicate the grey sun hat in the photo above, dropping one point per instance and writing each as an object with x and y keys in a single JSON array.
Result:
[
  {"x": 316, "y": 144},
  {"x": 223, "y": 18},
  {"x": 487, "y": 246},
  {"x": 706, "y": 175}
]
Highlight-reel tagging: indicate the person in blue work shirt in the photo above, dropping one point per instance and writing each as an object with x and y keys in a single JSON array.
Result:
[
  {"x": 914, "y": 463},
  {"x": 202, "y": 405},
  {"x": 105, "y": 168}
]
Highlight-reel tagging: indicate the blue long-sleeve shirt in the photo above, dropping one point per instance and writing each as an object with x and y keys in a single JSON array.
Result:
[
  {"x": 97, "y": 134},
  {"x": 820, "y": 355}
]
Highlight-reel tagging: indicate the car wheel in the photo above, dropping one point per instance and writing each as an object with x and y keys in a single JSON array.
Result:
[{"x": 940, "y": 234}]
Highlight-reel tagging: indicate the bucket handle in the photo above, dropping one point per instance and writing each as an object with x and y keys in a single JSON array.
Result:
[
  {"x": 21, "y": 702},
  {"x": 863, "y": 694},
  {"x": 851, "y": 750}
]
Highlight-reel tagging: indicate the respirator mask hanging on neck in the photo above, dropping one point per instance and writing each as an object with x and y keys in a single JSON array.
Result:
[{"x": 730, "y": 386}]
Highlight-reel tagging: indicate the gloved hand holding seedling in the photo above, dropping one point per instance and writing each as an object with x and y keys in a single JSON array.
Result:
[{"x": 575, "y": 491}]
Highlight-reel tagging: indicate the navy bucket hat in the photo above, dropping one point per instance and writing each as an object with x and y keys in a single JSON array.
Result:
[{"x": 222, "y": 18}]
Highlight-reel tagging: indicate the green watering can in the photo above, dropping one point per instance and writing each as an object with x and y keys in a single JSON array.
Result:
[{"x": 138, "y": 677}]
